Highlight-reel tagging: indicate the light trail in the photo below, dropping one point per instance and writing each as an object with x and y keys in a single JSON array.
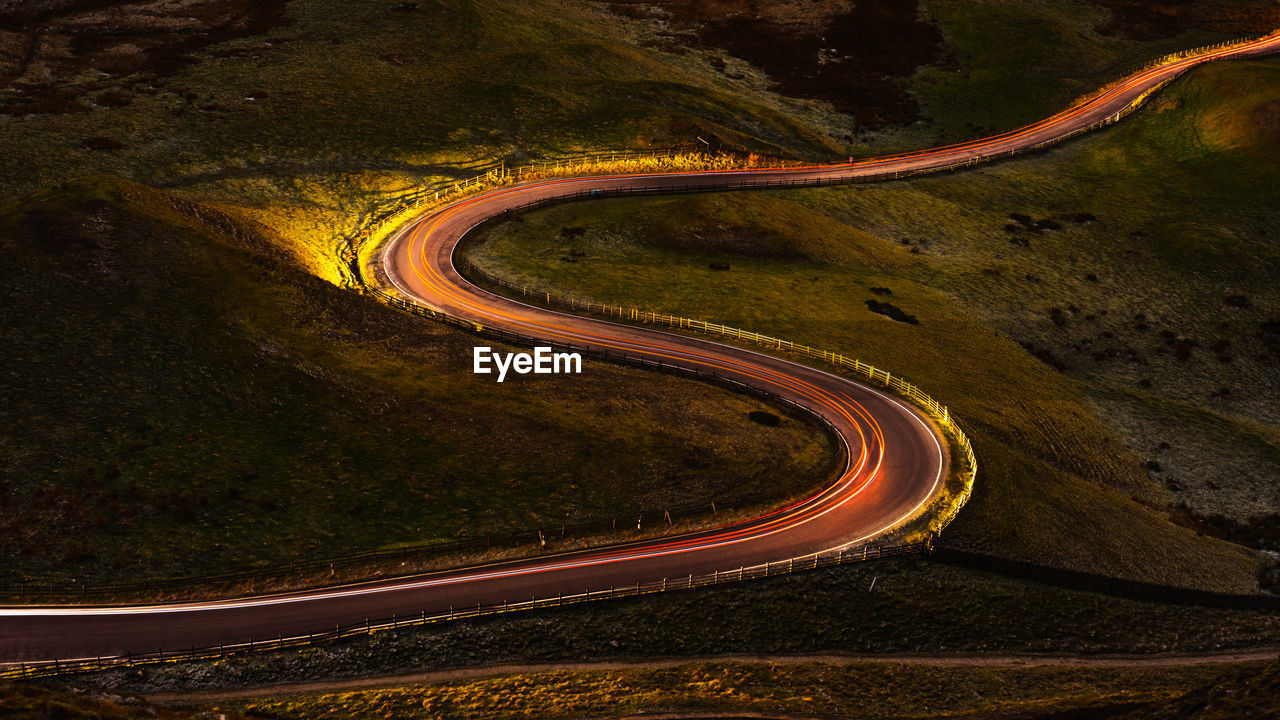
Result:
[{"x": 895, "y": 459}]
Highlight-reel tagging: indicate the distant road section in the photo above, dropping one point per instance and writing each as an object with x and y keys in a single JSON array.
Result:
[{"x": 897, "y": 460}]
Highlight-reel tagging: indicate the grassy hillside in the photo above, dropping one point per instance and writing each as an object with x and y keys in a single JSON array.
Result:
[
  {"x": 279, "y": 112},
  {"x": 267, "y": 119},
  {"x": 305, "y": 123},
  {"x": 1014, "y": 62},
  {"x": 180, "y": 399},
  {"x": 1055, "y": 299},
  {"x": 903, "y": 75}
]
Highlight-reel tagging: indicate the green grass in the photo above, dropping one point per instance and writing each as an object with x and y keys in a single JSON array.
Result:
[
  {"x": 180, "y": 399},
  {"x": 1182, "y": 215}
]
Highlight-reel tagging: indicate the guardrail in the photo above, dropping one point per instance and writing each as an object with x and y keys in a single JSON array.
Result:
[
  {"x": 937, "y": 411},
  {"x": 413, "y": 204},
  {"x": 449, "y": 192},
  {"x": 624, "y": 521},
  {"x": 421, "y": 200},
  {"x": 391, "y": 212},
  {"x": 940, "y": 413},
  {"x": 624, "y": 525},
  {"x": 1164, "y": 60},
  {"x": 826, "y": 558}
]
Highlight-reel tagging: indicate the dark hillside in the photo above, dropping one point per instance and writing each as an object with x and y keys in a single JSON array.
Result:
[{"x": 180, "y": 399}]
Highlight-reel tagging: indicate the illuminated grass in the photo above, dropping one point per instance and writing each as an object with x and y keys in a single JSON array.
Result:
[
  {"x": 802, "y": 690},
  {"x": 813, "y": 688}
]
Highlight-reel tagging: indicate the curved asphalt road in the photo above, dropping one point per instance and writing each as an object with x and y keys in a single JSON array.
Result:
[{"x": 896, "y": 459}]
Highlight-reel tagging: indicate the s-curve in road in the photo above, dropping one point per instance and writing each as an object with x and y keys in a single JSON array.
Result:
[{"x": 896, "y": 460}]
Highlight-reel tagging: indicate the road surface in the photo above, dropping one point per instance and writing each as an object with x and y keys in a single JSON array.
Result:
[{"x": 896, "y": 459}]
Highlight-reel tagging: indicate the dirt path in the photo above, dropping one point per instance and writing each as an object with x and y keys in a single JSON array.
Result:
[{"x": 1006, "y": 661}]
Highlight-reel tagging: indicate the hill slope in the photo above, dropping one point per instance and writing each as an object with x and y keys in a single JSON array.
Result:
[
  {"x": 282, "y": 111},
  {"x": 178, "y": 398}
]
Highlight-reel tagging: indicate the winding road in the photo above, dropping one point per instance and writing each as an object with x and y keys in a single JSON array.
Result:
[{"x": 896, "y": 459}]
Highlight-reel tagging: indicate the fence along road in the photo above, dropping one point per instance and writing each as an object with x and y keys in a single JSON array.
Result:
[{"x": 896, "y": 458}]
